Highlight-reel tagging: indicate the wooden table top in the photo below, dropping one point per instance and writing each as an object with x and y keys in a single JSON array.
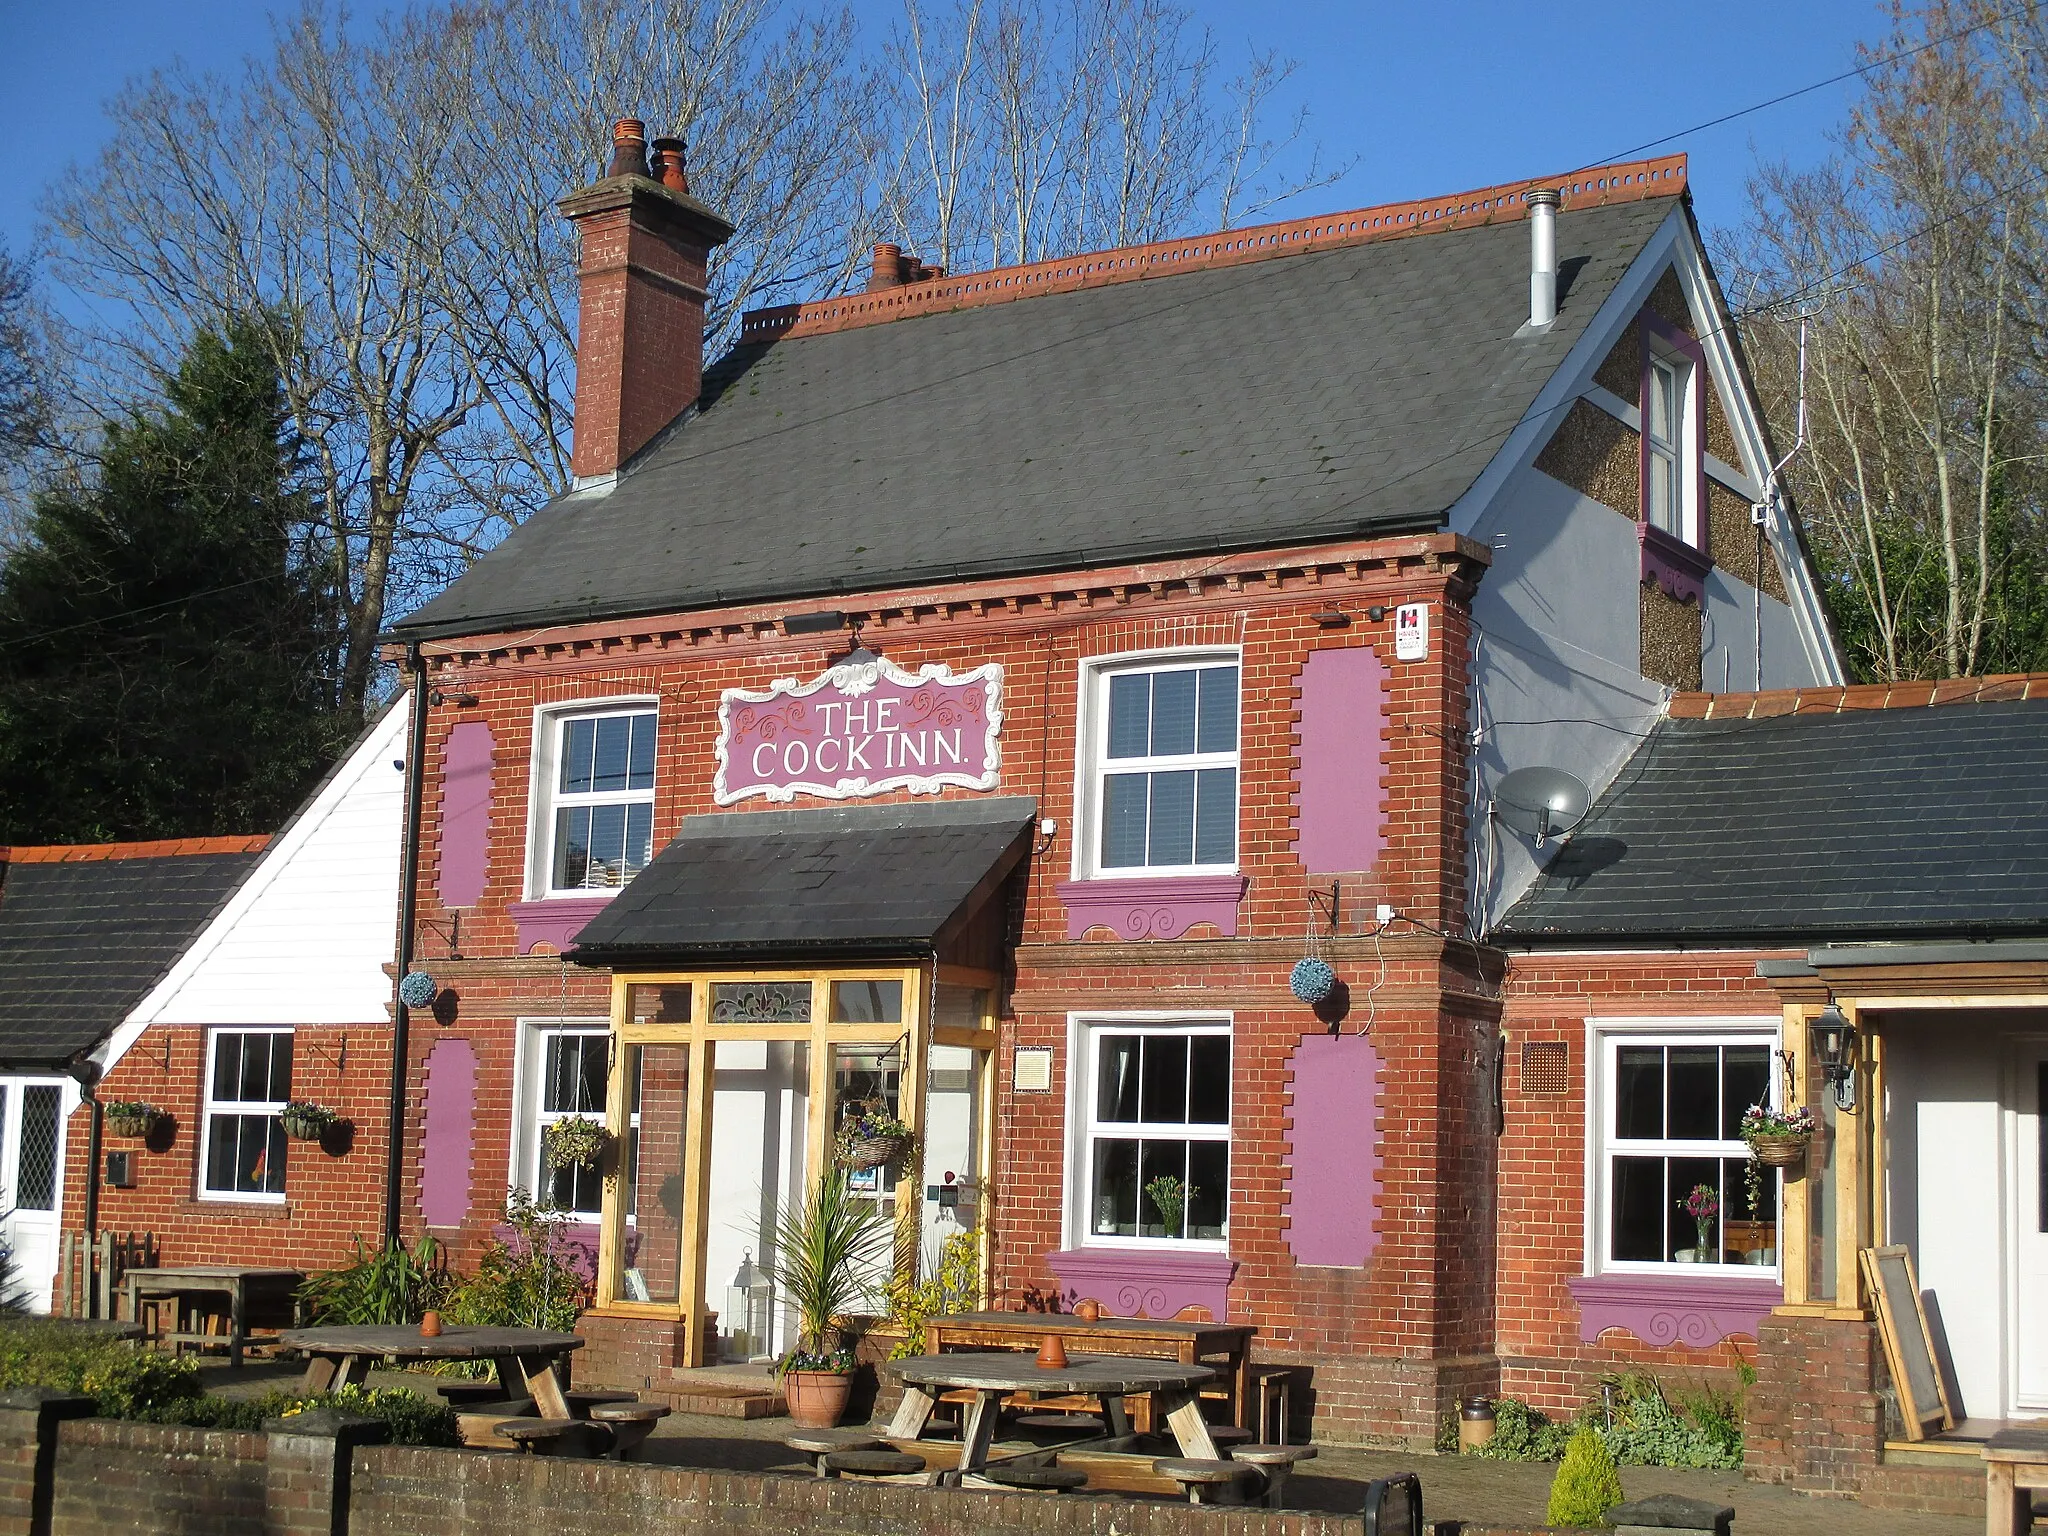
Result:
[
  {"x": 1014, "y": 1371},
  {"x": 216, "y": 1272},
  {"x": 406, "y": 1343},
  {"x": 2019, "y": 1443},
  {"x": 1038, "y": 1323}
]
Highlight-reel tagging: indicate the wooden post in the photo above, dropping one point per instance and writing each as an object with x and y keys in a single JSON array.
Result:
[
  {"x": 696, "y": 1198},
  {"x": 1852, "y": 1184},
  {"x": 1795, "y": 1253},
  {"x": 920, "y": 1000},
  {"x": 1880, "y": 1218}
]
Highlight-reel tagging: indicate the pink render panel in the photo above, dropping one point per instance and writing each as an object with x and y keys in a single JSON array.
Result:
[
  {"x": 1339, "y": 798},
  {"x": 1333, "y": 1179},
  {"x": 465, "y": 813},
  {"x": 447, "y": 1143}
]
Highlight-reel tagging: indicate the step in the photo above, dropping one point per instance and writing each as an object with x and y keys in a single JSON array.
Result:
[{"x": 721, "y": 1399}]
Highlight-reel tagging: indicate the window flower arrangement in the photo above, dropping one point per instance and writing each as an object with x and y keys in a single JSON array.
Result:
[
  {"x": 304, "y": 1120},
  {"x": 131, "y": 1117},
  {"x": 1702, "y": 1205},
  {"x": 871, "y": 1137},
  {"x": 574, "y": 1141}
]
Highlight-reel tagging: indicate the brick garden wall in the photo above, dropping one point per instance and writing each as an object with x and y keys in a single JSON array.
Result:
[{"x": 113, "y": 1476}]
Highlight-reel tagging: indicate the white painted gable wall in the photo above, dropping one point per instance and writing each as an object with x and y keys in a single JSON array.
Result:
[{"x": 308, "y": 936}]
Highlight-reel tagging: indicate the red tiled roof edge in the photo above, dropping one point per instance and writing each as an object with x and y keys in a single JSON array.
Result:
[
  {"x": 171, "y": 847},
  {"x": 1842, "y": 700},
  {"x": 1628, "y": 182}
]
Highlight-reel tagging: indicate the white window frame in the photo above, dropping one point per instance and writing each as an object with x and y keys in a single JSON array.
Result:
[
  {"x": 530, "y": 1077},
  {"x": 1077, "y": 1176},
  {"x": 549, "y": 723},
  {"x": 1603, "y": 1038},
  {"x": 1091, "y": 760},
  {"x": 1680, "y": 453},
  {"x": 209, "y": 1106}
]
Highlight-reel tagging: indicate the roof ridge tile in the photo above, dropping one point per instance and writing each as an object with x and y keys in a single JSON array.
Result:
[
  {"x": 1914, "y": 693},
  {"x": 161, "y": 848}
]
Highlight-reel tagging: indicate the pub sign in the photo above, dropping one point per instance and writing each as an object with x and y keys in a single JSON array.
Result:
[{"x": 862, "y": 728}]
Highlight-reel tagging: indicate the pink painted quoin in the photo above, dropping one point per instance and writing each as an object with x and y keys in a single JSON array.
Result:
[
  {"x": 862, "y": 728},
  {"x": 1339, "y": 797},
  {"x": 1333, "y": 1177}
]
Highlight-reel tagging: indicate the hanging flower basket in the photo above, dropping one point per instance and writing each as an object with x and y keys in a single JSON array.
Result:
[
  {"x": 872, "y": 1138},
  {"x": 417, "y": 990},
  {"x": 1787, "y": 1151},
  {"x": 305, "y": 1121},
  {"x": 131, "y": 1117},
  {"x": 1777, "y": 1138},
  {"x": 574, "y": 1142},
  {"x": 1312, "y": 980}
]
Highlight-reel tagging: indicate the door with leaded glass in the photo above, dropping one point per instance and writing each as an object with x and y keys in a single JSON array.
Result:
[{"x": 31, "y": 1183}]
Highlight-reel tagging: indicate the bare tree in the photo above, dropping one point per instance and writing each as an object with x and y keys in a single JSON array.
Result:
[{"x": 1031, "y": 130}]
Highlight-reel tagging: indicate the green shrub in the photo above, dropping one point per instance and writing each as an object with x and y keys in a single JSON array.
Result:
[
  {"x": 1648, "y": 1432},
  {"x": 1586, "y": 1485},
  {"x": 1522, "y": 1433},
  {"x": 412, "y": 1418},
  {"x": 122, "y": 1379},
  {"x": 952, "y": 1283},
  {"x": 528, "y": 1280},
  {"x": 391, "y": 1287}
]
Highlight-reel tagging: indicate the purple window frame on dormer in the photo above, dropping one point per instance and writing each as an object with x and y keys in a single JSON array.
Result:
[{"x": 1657, "y": 328}]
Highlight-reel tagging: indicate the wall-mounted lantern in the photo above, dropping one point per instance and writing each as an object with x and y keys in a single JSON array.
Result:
[{"x": 1834, "y": 1047}]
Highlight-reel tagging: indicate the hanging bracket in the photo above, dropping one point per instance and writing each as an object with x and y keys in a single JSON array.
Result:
[{"x": 1325, "y": 904}]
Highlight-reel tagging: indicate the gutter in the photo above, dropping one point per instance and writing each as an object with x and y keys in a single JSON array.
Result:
[{"x": 408, "y": 912}]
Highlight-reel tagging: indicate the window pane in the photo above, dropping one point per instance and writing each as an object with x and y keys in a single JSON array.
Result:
[
  {"x": 668, "y": 1004},
  {"x": 867, "y": 1002},
  {"x": 280, "y": 1068},
  {"x": 1130, "y": 713},
  {"x": 639, "y": 838},
  {"x": 640, "y": 769},
  {"x": 1218, "y": 728},
  {"x": 1663, "y": 400},
  {"x": 1209, "y": 1080},
  {"x": 1639, "y": 1092},
  {"x": 36, "y": 1172},
  {"x": 1637, "y": 1207},
  {"x": 1163, "y": 1081},
  {"x": 761, "y": 1002},
  {"x": 1173, "y": 713},
  {"x": 1664, "y": 499},
  {"x": 572, "y": 847},
  {"x": 607, "y": 845},
  {"x": 574, "y": 1078},
  {"x": 1113, "y": 1197},
  {"x": 578, "y": 740},
  {"x": 1216, "y": 816},
  {"x": 227, "y": 1065},
  {"x": 1695, "y": 1089},
  {"x": 1116, "y": 1081},
  {"x": 1746, "y": 1080},
  {"x": 1159, "y": 1160},
  {"x": 255, "y": 1085},
  {"x": 1172, "y": 834},
  {"x": 1123, "y": 820},
  {"x": 1209, "y": 1201},
  {"x": 575, "y": 1188},
  {"x": 614, "y": 747},
  {"x": 245, "y": 1155},
  {"x": 1688, "y": 1174}
]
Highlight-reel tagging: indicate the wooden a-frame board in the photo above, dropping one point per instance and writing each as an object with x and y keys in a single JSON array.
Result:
[{"x": 1908, "y": 1345}]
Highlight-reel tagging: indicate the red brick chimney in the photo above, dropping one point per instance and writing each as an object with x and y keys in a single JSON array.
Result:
[{"x": 640, "y": 342}]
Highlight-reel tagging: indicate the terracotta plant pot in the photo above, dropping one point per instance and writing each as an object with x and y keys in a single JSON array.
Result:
[
  {"x": 1089, "y": 1311},
  {"x": 1052, "y": 1354},
  {"x": 430, "y": 1325},
  {"x": 817, "y": 1399}
]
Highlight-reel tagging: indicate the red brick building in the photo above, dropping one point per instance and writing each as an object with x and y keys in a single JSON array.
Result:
[{"x": 981, "y": 693}]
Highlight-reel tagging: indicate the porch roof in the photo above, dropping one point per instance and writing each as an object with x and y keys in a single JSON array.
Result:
[
  {"x": 1868, "y": 825},
  {"x": 873, "y": 879}
]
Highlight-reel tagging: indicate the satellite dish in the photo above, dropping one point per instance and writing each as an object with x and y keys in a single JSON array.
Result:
[{"x": 1541, "y": 802}]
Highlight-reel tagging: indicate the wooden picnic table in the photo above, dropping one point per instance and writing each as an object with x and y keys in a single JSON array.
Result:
[
  {"x": 2015, "y": 1464},
  {"x": 1225, "y": 1346},
  {"x": 270, "y": 1292},
  {"x": 340, "y": 1356},
  {"x": 993, "y": 1375}
]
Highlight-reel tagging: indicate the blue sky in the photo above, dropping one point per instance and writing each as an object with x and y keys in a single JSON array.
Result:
[{"x": 1429, "y": 98}]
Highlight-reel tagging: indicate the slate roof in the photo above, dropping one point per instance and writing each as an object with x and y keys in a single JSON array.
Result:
[
  {"x": 1863, "y": 825},
  {"x": 83, "y": 940},
  {"x": 879, "y": 879},
  {"x": 1312, "y": 396}
]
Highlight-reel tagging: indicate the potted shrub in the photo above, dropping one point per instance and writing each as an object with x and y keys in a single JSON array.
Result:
[
  {"x": 827, "y": 1251},
  {"x": 131, "y": 1117},
  {"x": 871, "y": 1137},
  {"x": 304, "y": 1120},
  {"x": 574, "y": 1141}
]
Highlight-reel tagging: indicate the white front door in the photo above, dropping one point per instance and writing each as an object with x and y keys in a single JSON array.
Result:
[
  {"x": 2030, "y": 1247},
  {"x": 32, "y": 1183}
]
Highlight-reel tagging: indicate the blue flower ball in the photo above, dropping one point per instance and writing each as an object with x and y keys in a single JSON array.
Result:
[
  {"x": 1312, "y": 980},
  {"x": 417, "y": 990}
]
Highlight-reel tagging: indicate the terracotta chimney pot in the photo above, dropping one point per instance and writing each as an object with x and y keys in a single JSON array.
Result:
[
  {"x": 669, "y": 168},
  {"x": 888, "y": 269},
  {"x": 629, "y": 148}
]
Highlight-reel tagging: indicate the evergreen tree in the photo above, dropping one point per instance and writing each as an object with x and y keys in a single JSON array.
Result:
[{"x": 167, "y": 655}]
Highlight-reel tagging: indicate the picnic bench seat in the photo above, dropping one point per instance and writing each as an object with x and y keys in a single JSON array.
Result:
[
  {"x": 630, "y": 1422},
  {"x": 817, "y": 1444},
  {"x": 1034, "y": 1479},
  {"x": 1276, "y": 1461},
  {"x": 582, "y": 1401},
  {"x": 476, "y": 1394},
  {"x": 555, "y": 1437},
  {"x": 1210, "y": 1482},
  {"x": 2015, "y": 1464},
  {"x": 871, "y": 1464}
]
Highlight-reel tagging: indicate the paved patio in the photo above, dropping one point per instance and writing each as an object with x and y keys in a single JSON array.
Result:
[{"x": 1467, "y": 1489}]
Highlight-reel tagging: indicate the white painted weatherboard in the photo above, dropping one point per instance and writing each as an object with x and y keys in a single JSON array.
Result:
[{"x": 307, "y": 937}]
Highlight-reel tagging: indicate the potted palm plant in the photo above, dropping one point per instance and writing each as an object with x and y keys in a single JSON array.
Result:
[{"x": 826, "y": 1251}]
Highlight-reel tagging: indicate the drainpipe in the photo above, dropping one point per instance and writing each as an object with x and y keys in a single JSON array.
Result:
[
  {"x": 86, "y": 1073},
  {"x": 408, "y": 908},
  {"x": 1542, "y": 255}
]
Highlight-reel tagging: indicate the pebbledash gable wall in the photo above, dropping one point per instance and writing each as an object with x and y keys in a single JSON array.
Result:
[{"x": 1395, "y": 1336}]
